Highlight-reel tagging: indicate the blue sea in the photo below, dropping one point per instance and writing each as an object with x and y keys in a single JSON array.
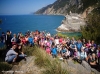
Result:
[{"x": 22, "y": 23}]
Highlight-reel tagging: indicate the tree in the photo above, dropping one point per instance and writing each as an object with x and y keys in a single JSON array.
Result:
[{"x": 92, "y": 29}]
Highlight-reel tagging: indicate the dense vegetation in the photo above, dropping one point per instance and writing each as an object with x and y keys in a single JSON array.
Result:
[
  {"x": 92, "y": 29},
  {"x": 84, "y": 5},
  {"x": 87, "y": 3}
]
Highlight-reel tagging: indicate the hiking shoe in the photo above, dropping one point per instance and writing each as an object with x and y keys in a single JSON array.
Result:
[{"x": 25, "y": 59}]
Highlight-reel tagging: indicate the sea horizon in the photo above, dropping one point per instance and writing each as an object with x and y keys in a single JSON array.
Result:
[{"x": 49, "y": 22}]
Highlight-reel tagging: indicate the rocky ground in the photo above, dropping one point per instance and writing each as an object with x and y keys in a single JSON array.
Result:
[
  {"x": 25, "y": 67},
  {"x": 29, "y": 67}
]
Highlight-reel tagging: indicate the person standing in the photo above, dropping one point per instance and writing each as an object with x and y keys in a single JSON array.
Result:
[
  {"x": 14, "y": 39},
  {"x": 8, "y": 40}
]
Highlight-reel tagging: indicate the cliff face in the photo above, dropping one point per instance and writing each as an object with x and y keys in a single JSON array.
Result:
[
  {"x": 74, "y": 11},
  {"x": 63, "y": 7},
  {"x": 71, "y": 23},
  {"x": 60, "y": 7}
]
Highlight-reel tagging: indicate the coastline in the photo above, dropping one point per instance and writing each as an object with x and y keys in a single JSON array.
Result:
[{"x": 71, "y": 23}]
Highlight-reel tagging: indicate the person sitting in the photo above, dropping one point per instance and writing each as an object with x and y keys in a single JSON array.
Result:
[
  {"x": 92, "y": 50},
  {"x": 93, "y": 61},
  {"x": 67, "y": 54},
  {"x": 98, "y": 54},
  {"x": 11, "y": 55},
  {"x": 82, "y": 55},
  {"x": 21, "y": 54},
  {"x": 79, "y": 45},
  {"x": 72, "y": 48},
  {"x": 75, "y": 58},
  {"x": 63, "y": 51}
]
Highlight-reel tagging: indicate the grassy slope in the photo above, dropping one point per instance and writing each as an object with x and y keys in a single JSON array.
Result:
[{"x": 43, "y": 60}]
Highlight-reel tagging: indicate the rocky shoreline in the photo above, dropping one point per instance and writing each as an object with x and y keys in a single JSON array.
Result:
[{"x": 71, "y": 23}]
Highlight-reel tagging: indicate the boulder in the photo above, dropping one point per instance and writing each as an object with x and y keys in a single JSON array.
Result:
[{"x": 86, "y": 65}]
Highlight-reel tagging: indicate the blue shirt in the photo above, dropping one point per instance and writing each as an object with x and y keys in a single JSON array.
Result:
[
  {"x": 82, "y": 55},
  {"x": 30, "y": 39},
  {"x": 54, "y": 51},
  {"x": 79, "y": 45},
  {"x": 63, "y": 50}
]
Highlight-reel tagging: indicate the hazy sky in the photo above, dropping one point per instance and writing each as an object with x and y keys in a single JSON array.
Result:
[{"x": 13, "y": 7}]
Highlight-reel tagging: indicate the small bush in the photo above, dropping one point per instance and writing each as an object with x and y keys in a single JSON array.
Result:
[
  {"x": 41, "y": 57},
  {"x": 77, "y": 35},
  {"x": 28, "y": 50},
  {"x": 55, "y": 68},
  {"x": 5, "y": 66}
]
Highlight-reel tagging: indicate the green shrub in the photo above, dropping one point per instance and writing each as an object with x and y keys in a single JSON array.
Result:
[
  {"x": 5, "y": 66},
  {"x": 70, "y": 35},
  {"x": 28, "y": 50},
  {"x": 41, "y": 57},
  {"x": 92, "y": 29},
  {"x": 55, "y": 68}
]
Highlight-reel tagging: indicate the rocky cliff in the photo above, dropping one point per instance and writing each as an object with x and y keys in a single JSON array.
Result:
[
  {"x": 72, "y": 22},
  {"x": 63, "y": 7},
  {"x": 60, "y": 7}
]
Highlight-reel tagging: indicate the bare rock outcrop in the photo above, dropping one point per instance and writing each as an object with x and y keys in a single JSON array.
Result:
[
  {"x": 71, "y": 23},
  {"x": 27, "y": 67}
]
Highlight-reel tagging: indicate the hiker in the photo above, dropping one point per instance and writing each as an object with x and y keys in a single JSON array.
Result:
[
  {"x": 54, "y": 51},
  {"x": 56, "y": 40},
  {"x": 73, "y": 40},
  {"x": 81, "y": 55},
  {"x": 75, "y": 56},
  {"x": 11, "y": 55},
  {"x": 14, "y": 39},
  {"x": 98, "y": 54},
  {"x": 8, "y": 40},
  {"x": 21, "y": 54},
  {"x": 92, "y": 50},
  {"x": 67, "y": 54},
  {"x": 88, "y": 44},
  {"x": 93, "y": 61},
  {"x": 48, "y": 50},
  {"x": 72, "y": 48},
  {"x": 3, "y": 36},
  {"x": 79, "y": 45},
  {"x": 31, "y": 41},
  {"x": 63, "y": 50}
]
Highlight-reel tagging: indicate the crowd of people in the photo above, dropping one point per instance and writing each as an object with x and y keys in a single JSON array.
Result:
[{"x": 55, "y": 46}]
